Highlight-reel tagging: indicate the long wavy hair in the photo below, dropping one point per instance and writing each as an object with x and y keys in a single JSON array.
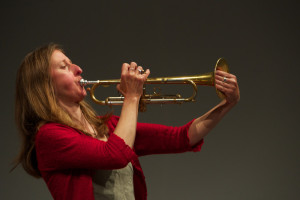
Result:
[{"x": 36, "y": 104}]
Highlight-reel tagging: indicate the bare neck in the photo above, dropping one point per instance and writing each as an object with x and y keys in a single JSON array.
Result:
[
  {"x": 76, "y": 113},
  {"x": 73, "y": 109}
]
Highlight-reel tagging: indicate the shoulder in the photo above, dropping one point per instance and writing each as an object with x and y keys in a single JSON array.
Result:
[
  {"x": 53, "y": 127},
  {"x": 51, "y": 131}
]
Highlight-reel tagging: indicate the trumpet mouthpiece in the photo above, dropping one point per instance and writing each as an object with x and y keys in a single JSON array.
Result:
[{"x": 83, "y": 82}]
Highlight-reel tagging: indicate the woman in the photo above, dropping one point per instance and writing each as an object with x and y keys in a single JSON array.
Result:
[{"x": 82, "y": 156}]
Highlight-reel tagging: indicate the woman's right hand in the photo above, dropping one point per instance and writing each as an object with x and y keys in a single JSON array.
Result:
[
  {"x": 131, "y": 86},
  {"x": 132, "y": 80}
]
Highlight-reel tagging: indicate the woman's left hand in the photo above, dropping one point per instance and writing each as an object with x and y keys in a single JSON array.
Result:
[{"x": 227, "y": 83}]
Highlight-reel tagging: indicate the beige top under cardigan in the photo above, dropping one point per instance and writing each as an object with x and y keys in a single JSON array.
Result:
[{"x": 114, "y": 184}]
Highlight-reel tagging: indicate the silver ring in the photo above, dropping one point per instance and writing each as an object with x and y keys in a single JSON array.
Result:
[
  {"x": 224, "y": 79},
  {"x": 141, "y": 71}
]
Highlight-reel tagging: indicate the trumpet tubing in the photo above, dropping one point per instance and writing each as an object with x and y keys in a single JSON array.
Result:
[{"x": 207, "y": 79}]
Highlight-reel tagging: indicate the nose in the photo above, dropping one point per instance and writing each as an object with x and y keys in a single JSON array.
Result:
[{"x": 76, "y": 70}]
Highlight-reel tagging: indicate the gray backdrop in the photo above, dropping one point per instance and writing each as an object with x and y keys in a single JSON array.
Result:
[{"x": 254, "y": 151}]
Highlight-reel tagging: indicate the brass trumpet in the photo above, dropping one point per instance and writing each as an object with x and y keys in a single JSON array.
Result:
[{"x": 203, "y": 79}]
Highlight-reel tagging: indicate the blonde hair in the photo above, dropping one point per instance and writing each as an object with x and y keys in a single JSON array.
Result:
[{"x": 35, "y": 105}]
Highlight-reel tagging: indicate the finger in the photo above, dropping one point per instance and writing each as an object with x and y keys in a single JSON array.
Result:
[
  {"x": 224, "y": 79},
  {"x": 146, "y": 74},
  {"x": 132, "y": 68},
  {"x": 220, "y": 88},
  {"x": 139, "y": 70},
  {"x": 226, "y": 74},
  {"x": 227, "y": 90},
  {"x": 225, "y": 84},
  {"x": 124, "y": 69},
  {"x": 229, "y": 78}
]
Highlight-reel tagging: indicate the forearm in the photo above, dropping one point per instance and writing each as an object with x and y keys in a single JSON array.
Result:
[
  {"x": 204, "y": 124},
  {"x": 126, "y": 127}
]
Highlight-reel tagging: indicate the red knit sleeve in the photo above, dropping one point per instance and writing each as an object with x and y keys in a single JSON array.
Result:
[
  {"x": 158, "y": 139},
  {"x": 61, "y": 147}
]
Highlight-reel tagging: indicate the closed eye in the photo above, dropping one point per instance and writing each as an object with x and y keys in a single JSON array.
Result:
[{"x": 64, "y": 67}]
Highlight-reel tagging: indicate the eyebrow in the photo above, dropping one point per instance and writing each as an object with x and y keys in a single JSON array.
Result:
[{"x": 67, "y": 61}]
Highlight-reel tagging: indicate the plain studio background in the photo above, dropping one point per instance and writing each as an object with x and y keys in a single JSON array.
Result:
[{"x": 252, "y": 154}]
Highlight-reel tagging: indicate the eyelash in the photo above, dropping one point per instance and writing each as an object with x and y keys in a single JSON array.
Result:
[{"x": 65, "y": 66}]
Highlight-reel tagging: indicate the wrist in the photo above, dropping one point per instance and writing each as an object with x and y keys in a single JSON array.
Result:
[
  {"x": 132, "y": 98},
  {"x": 131, "y": 101},
  {"x": 230, "y": 104}
]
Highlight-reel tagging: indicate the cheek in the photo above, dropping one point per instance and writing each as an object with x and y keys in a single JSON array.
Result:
[{"x": 62, "y": 83}]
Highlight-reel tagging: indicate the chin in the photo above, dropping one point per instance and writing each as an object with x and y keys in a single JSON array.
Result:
[{"x": 82, "y": 97}]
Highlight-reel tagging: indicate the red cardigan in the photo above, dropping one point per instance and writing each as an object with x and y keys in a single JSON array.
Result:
[{"x": 67, "y": 158}]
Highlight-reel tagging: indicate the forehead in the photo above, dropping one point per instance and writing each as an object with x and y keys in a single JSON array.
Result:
[{"x": 58, "y": 57}]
